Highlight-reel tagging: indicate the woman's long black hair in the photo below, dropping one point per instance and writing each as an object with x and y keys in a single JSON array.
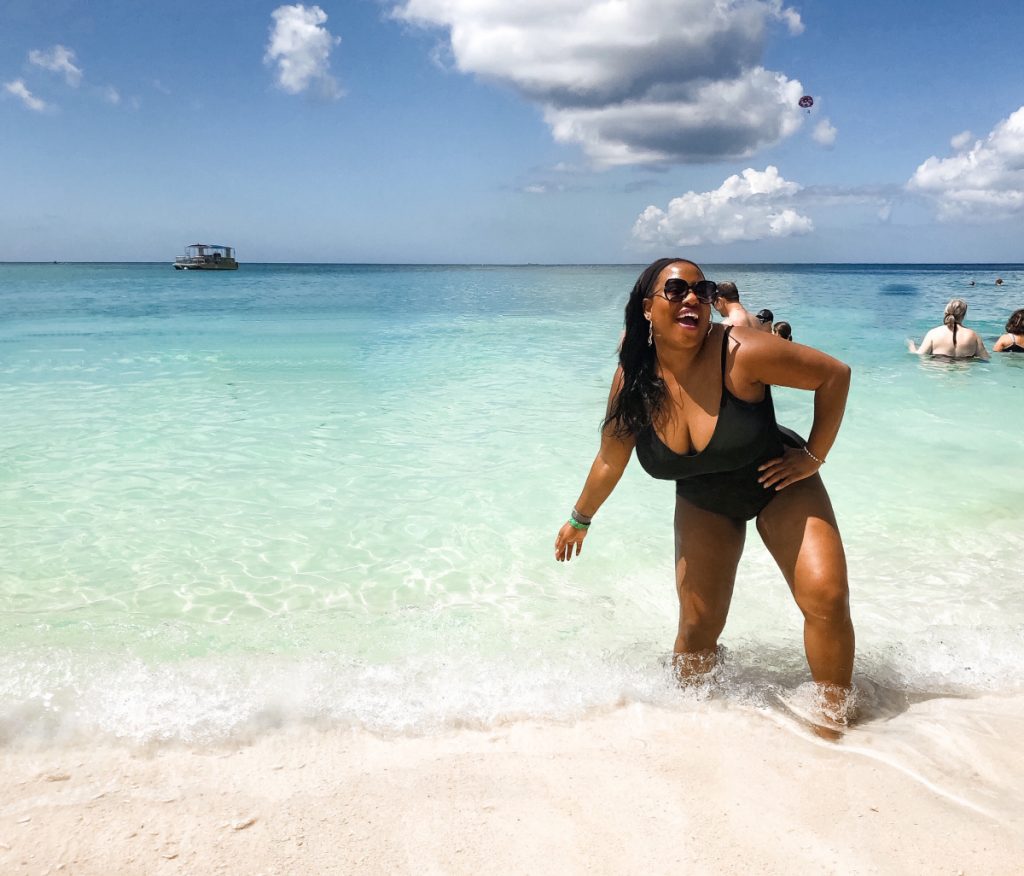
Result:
[{"x": 642, "y": 392}]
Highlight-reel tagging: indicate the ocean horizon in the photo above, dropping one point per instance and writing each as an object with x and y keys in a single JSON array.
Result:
[{"x": 621, "y": 264}]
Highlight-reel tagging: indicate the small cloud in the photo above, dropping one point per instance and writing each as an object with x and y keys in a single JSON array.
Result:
[
  {"x": 301, "y": 48},
  {"x": 20, "y": 91},
  {"x": 111, "y": 95},
  {"x": 441, "y": 56},
  {"x": 961, "y": 141},
  {"x": 789, "y": 15},
  {"x": 750, "y": 206},
  {"x": 885, "y": 212},
  {"x": 159, "y": 86},
  {"x": 59, "y": 59},
  {"x": 825, "y": 133},
  {"x": 983, "y": 181},
  {"x": 542, "y": 188}
]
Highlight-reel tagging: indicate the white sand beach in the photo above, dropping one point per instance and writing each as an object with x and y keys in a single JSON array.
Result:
[{"x": 638, "y": 790}]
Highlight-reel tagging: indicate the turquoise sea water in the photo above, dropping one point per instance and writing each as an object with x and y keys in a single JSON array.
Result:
[{"x": 329, "y": 493}]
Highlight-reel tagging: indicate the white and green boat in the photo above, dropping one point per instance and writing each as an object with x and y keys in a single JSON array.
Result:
[{"x": 206, "y": 257}]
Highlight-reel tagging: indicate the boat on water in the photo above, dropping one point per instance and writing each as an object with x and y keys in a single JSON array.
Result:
[{"x": 206, "y": 257}]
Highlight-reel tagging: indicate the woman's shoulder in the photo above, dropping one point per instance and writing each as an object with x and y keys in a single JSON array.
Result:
[
  {"x": 743, "y": 333},
  {"x": 746, "y": 345}
]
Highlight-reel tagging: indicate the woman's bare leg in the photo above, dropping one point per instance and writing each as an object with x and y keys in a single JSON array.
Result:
[
  {"x": 800, "y": 531},
  {"x": 708, "y": 548}
]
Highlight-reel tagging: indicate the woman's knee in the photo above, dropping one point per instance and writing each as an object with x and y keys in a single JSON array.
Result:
[{"x": 824, "y": 598}]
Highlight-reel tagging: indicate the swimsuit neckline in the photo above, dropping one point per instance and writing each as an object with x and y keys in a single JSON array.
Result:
[{"x": 726, "y": 395}]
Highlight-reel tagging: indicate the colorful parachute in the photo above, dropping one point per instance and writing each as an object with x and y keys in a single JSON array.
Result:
[{"x": 806, "y": 102}]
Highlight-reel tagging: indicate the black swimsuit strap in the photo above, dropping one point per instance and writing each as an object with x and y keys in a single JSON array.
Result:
[{"x": 725, "y": 350}]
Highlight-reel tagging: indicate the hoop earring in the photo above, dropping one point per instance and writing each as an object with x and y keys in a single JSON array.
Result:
[{"x": 650, "y": 333}]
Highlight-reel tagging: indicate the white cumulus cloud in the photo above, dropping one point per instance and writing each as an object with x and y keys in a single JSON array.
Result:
[
  {"x": 637, "y": 82},
  {"x": 18, "y": 89},
  {"x": 59, "y": 59},
  {"x": 301, "y": 47},
  {"x": 983, "y": 180},
  {"x": 825, "y": 133},
  {"x": 750, "y": 206}
]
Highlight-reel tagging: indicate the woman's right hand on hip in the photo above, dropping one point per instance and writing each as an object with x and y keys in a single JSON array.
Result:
[{"x": 570, "y": 539}]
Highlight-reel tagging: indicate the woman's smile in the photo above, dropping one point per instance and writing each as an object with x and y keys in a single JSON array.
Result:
[{"x": 688, "y": 318}]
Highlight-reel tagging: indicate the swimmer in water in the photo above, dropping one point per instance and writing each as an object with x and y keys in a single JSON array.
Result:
[{"x": 952, "y": 338}]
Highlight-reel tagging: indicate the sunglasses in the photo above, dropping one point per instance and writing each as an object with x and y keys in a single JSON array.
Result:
[{"x": 677, "y": 289}]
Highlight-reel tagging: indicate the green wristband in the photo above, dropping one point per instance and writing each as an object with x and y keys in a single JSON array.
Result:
[{"x": 575, "y": 524}]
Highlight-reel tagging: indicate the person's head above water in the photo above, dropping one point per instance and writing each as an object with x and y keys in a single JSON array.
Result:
[
  {"x": 669, "y": 310},
  {"x": 783, "y": 330},
  {"x": 1015, "y": 324},
  {"x": 727, "y": 294},
  {"x": 955, "y": 312},
  {"x": 728, "y": 291},
  {"x": 765, "y": 316}
]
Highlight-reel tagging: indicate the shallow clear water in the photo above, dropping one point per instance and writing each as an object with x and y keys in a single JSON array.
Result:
[{"x": 330, "y": 493}]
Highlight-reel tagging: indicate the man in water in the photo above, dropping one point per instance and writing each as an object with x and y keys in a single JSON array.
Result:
[
  {"x": 732, "y": 312},
  {"x": 764, "y": 320}
]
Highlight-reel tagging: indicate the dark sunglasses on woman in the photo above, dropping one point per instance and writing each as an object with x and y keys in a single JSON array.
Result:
[{"x": 676, "y": 289}]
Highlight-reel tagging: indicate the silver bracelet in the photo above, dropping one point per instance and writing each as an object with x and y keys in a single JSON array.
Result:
[
  {"x": 812, "y": 456},
  {"x": 580, "y": 518}
]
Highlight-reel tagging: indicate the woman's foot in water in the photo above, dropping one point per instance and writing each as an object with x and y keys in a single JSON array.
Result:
[{"x": 697, "y": 667}]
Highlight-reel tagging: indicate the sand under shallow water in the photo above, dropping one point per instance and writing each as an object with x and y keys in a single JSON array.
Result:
[{"x": 636, "y": 790}]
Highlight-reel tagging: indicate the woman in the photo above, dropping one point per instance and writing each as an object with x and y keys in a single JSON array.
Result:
[
  {"x": 1013, "y": 340},
  {"x": 693, "y": 399},
  {"x": 952, "y": 338},
  {"x": 784, "y": 330}
]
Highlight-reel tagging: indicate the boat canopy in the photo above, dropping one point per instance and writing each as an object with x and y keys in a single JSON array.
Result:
[{"x": 202, "y": 249}]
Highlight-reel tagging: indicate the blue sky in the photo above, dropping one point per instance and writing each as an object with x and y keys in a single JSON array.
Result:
[{"x": 485, "y": 131}]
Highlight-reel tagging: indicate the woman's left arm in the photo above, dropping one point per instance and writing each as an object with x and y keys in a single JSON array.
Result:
[{"x": 773, "y": 361}]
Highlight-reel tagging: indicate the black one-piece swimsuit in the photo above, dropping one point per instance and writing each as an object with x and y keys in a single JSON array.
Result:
[{"x": 723, "y": 476}]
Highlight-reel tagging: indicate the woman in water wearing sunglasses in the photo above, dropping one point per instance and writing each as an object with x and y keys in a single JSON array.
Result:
[{"x": 694, "y": 399}]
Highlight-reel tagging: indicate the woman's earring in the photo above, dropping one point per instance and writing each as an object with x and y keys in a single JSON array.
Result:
[{"x": 650, "y": 333}]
